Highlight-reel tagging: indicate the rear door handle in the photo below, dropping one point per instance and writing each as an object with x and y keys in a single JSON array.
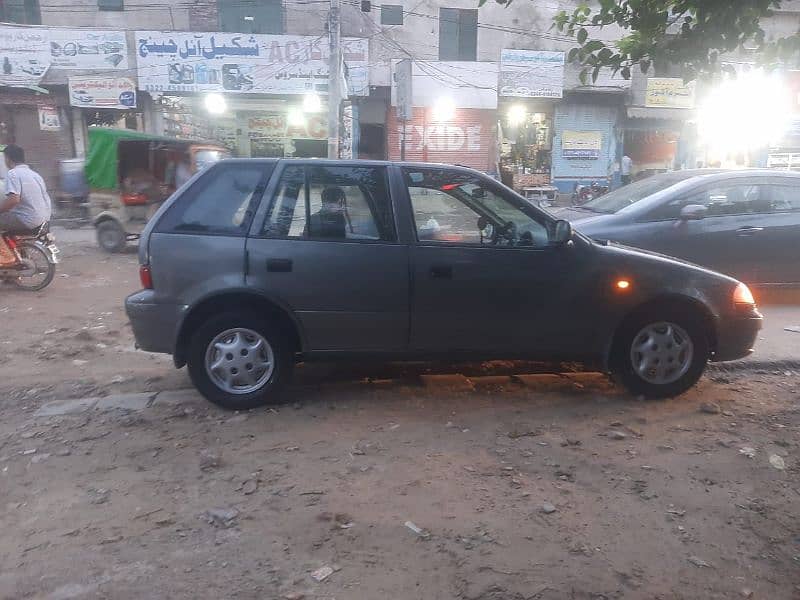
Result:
[
  {"x": 746, "y": 231},
  {"x": 442, "y": 272},
  {"x": 279, "y": 265}
]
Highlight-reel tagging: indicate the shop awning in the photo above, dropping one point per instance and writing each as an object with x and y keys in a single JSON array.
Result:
[{"x": 665, "y": 114}]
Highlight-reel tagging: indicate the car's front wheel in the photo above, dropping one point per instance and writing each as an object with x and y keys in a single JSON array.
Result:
[
  {"x": 660, "y": 353},
  {"x": 239, "y": 361}
]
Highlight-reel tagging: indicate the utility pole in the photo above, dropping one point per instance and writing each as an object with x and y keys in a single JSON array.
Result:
[{"x": 334, "y": 78}]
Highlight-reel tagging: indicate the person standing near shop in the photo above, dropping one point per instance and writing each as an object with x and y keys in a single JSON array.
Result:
[{"x": 625, "y": 169}]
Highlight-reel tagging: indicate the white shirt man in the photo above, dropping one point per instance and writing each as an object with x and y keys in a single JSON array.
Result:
[
  {"x": 26, "y": 204},
  {"x": 625, "y": 168}
]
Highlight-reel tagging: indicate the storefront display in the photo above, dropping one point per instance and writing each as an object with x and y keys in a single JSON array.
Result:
[{"x": 526, "y": 141}]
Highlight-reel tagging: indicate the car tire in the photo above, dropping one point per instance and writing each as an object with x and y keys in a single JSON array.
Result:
[
  {"x": 111, "y": 236},
  {"x": 247, "y": 386},
  {"x": 649, "y": 355}
]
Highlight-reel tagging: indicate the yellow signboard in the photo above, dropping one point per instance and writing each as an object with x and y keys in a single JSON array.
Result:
[
  {"x": 581, "y": 144},
  {"x": 669, "y": 92}
]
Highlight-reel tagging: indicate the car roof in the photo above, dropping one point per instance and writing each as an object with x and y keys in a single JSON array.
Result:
[{"x": 353, "y": 162}]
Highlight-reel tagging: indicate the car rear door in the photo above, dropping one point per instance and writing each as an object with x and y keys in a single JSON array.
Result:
[
  {"x": 774, "y": 234},
  {"x": 325, "y": 246}
]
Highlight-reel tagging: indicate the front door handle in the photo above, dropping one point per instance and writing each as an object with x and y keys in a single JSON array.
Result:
[
  {"x": 279, "y": 265},
  {"x": 747, "y": 231},
  {"x": 442, "y": 272}
]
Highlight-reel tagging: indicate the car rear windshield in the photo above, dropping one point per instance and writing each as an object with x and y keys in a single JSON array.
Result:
[{"x": 629, "y": 194}]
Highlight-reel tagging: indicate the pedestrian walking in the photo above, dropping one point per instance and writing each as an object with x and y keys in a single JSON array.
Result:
[{"x": 625, "y": 169}]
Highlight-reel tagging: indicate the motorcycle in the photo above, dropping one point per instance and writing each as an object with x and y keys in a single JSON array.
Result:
[
  {"x": 36, "y": 257},
  {"x": 583, "y": 193}
]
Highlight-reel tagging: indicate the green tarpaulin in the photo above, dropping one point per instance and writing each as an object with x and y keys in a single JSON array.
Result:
[{"x": 102, "y": 162}]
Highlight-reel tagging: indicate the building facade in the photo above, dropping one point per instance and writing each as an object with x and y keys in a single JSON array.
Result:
[{"x": 436, "y": 80}]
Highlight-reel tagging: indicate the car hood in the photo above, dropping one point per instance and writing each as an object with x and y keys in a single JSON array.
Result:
[{"x": 643, "y": 257}]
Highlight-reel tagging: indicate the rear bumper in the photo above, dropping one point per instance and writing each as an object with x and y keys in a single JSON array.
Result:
[
  {"x": 736, "y": 336},
  {"x": 154, "y": 324}
]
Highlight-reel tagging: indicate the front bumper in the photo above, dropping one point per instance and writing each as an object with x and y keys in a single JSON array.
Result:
[
  {"x": 736, "y": 336},
  {"x": 155, "y": 324}
]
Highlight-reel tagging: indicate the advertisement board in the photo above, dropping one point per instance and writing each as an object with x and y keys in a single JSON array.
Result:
[
  {"x": 669, "y": 92},
  {"x": 531, "y": 73},
  {"x": 581, "y": 144},
  {"x": 102, "y": 92},
  {"x": 49, "y": 119},
  {"x": 24, "y": 55},
  {"x": 170, "y": 61},
  {"x": 90, "y": 49}
]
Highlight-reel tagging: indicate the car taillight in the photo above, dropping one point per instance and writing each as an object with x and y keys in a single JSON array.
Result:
[
  {"x": 742, "y": 296},
  {"x": 146, "y": 277}
]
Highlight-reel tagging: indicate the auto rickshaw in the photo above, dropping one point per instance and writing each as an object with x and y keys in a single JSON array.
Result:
[{"x": 130, "y": 174}]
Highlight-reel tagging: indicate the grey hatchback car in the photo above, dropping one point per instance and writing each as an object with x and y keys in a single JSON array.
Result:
[{"x": 256, "y": 264}]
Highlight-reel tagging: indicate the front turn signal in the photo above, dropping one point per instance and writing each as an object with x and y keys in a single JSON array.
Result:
[{"x": 742, "y": 296}]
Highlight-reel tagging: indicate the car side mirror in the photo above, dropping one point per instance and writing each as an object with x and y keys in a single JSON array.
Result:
[
  {"x": 562, "y": 233},
  {"x": 693, "y": 212}
]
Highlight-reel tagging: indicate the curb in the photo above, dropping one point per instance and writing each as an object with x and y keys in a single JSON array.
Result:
[{"x": 786, "y": 364}]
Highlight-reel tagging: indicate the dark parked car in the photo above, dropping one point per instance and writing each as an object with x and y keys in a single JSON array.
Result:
[
  {"x": 745, "y": 223},
  {"x": 256, "y": 264}
]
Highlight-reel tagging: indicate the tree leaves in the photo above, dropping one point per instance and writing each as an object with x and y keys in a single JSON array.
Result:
[{"x": 691, "y": 34}]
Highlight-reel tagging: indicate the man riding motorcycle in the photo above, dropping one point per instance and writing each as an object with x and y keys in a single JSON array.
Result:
[{"x": 26, "y": 204}]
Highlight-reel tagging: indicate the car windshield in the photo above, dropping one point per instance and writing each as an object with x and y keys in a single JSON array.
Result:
[{"x": 625, "y": 196}]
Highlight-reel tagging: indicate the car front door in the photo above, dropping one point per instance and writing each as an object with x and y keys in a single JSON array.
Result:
[
  {"x": 773, "y": 234},
  {"x": 325, "y": 246},
  {"x": 485, "y": 278},
  {"x": 722, "y": 236}
]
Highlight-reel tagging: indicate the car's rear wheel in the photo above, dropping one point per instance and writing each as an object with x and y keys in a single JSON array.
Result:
[
  {"x": 661, "y": 352},
  {"x": 239, "y": 361}
]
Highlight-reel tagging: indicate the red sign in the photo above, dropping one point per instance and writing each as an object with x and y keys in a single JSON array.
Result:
[{"x": 467, "y": 139}]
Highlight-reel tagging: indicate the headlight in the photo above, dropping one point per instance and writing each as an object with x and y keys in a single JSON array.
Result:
[{"x": 742, "y": 296}]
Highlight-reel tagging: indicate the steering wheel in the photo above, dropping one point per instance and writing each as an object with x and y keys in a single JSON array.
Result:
[{"x": 509, "y": 232}]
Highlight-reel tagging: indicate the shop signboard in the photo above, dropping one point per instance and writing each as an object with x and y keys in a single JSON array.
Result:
[
  {"x": 49, "y": 119},
  {"x": 89, "y": 49},
  {"x": 581, "y": 144},
  {"x": 669, "y": 92},
  {"x": 102, "y": 92},
  {"x": 24, "y": 55},
  {"x": 531, "y": 73},
  {"x": 276, "y": 126},
  {"x": 238, "y": 63}
]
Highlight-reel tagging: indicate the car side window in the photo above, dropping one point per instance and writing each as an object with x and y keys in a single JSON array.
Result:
[
  {"x": 785, "y": 198},
  {"x": 221, "y": 202},
  {"x": 720, "y": 201},
  {"x": 460, "y": 208},
  {"x": 332, "y": 203}
]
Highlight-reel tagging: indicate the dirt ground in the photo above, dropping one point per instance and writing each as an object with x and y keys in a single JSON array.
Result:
[{"x": 487, "y": 488}]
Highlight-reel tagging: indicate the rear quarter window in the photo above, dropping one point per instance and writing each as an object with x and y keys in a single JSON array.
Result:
[{"x": 221, "y": 202}]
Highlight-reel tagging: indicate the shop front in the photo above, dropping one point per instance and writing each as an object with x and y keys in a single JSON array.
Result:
[
  {"x": 525, "y": 132},
  {"x": 260, "y": 95},
  {"x": 659, "y": 132},
  {"x": 531, "y": 84}
]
